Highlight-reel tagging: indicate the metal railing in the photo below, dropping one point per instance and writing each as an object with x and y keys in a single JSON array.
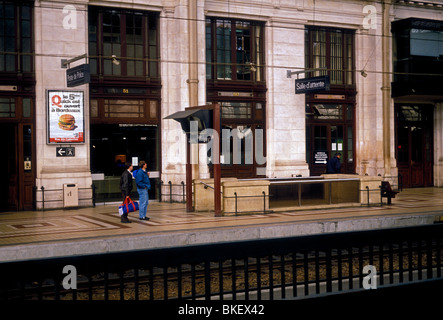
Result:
[
  {"x": 280, "y": 268},
  {"x": 379, "y": 192},
  {"x": 206, "y": 186},
  {"x": 399, "y": 183},
  {"x": 43, "y": 192},
  {"x": 171, "y": 193},
  {"x": 236, "y": 197},
  {"x": 297, "y": 197}
]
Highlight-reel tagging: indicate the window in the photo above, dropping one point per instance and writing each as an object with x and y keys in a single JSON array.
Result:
[
  {"x": 130, "y": 36},
  {"x": 234, "y": 50},
  {"x": 16, "y": 107},
  {"x": 16, "y": 37},
  {"x": 426, "y": 43},
  {"x": 410, "y": 113},
  {"x": 127, "y": 110},
  {"x": 236, "y": 110},
  {"x": 417, "y": 57},
  {"x": 124, "y": 108},
  {"x": 7, "y": 108},
  {"x": 331, "y": 50}
]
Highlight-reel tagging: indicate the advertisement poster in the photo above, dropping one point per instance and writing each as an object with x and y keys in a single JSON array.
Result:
[{"x": 65, "y": 116}]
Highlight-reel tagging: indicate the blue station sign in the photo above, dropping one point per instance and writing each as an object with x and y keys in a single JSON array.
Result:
[{"x": 78, "y": 75}]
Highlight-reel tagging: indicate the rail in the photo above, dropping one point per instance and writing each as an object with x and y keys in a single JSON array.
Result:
[
  {"x": 206, "y": 186},
  {"x": 280, "y": 268},
  {"x": 171, "y": 193},
  {"x": 180, "y": 196},
  {"x": 263, "y": 196},
  {"x": 396, "y": 186},
  {"x": 298, "y": 197},
  {"x": 43, "y": 200}
]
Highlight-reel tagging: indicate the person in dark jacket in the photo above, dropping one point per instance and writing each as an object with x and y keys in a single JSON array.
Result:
[
  {"x": 143, "y": 185},
  {"x": 334, "y": 165},
  {"x": 126, "y": 187}
]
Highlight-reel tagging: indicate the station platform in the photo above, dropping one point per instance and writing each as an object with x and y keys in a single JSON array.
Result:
[{"x": 83, "y": 231}]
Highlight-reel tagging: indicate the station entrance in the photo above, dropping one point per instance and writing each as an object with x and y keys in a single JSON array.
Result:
[
  {"x": 415, "y": 144},
  {"x": 329, "y": 130},
  {"x": 123, "y": 130},
  {"x": 112, "y": 145}
]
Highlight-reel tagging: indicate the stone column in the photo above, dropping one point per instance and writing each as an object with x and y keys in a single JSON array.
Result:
[
  {"x": 286, "y": 124},
  {"x": 60, "y": 33},
  {"x": 174, "y": 71}
]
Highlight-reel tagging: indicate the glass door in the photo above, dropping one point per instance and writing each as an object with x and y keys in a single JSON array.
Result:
[
  {"x": 329, "y": 131},
  {"x": 327, "y": 141}
]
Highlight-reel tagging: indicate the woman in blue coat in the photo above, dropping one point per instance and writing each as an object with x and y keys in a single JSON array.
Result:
[{"x": 143, "y": 185}]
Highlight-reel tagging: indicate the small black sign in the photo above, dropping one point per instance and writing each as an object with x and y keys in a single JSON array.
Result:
[
  {"x": 309, "y": 85},
  {"x": 78, "y": 75},
  {"x": 65, "y": 151}
]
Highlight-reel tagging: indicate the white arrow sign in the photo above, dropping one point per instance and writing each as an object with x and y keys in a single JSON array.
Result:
[{"x": 65, "y": 152}]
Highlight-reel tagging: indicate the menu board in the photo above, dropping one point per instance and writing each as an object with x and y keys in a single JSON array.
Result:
[{"x": 65, "y": 116}]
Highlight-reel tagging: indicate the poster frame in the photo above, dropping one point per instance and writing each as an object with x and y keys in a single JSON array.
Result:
[{"x": 51, "y": 135}]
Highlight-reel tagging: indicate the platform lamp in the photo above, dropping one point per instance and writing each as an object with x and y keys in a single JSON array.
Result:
[{"x": 207, "y": 116}]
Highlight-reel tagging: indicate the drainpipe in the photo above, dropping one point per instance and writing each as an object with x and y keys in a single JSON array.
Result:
[
  {"x": 193, "y": 95},
  {"x": 386, "y": 86},
  {"x": 193, "y": 53}
]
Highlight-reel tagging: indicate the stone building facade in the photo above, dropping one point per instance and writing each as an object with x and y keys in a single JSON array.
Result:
[{"x": 150, "y": 59}]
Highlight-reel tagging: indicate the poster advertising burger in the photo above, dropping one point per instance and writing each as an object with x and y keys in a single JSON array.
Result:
[{"x": 65, "y": 116}]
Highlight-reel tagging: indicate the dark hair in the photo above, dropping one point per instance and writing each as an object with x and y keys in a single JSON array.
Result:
[
  {"x": 141, "y": 163},
  {"x": 127, "y": 165}
]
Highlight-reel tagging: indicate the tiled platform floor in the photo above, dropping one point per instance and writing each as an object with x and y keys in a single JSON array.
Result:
[{"x": 33, "y": 234}]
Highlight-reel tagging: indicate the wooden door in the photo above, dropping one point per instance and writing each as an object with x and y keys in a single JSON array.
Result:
[
  {"x": 415, "y": 146},
  {"x": 16, "y": 167},
  {"x": 416, "y": 163},
  {"x": 8, "y": 168},
  {"x": 26, "y": 165}
]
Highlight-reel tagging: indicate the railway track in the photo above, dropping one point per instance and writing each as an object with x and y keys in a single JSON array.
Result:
[{"x": 236, "y": 276}]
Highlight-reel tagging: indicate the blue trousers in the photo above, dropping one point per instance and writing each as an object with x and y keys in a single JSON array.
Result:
[{"x": 143, "y": 202}]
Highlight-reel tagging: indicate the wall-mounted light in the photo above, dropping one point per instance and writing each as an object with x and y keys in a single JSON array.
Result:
[
  {"x": 363, "y": 73},
  {"x": 114, "y": 60},
  {"x": 252, "y": 67}
]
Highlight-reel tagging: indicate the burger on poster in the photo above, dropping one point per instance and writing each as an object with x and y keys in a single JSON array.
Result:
[{"x": 67, "y": 122}]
